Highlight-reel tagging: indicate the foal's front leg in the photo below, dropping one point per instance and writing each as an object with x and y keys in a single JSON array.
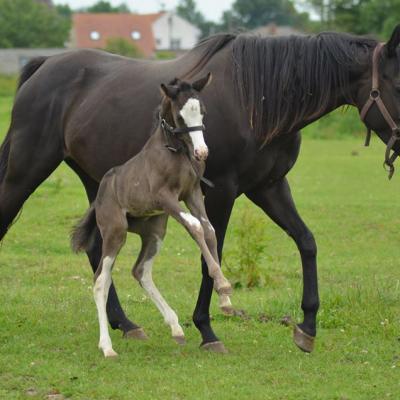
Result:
[
  {"x": 195, "y": 229},
  {"x": 195, "y": 203}
]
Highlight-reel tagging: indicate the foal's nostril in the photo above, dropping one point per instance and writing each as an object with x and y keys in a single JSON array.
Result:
[{"x": 201, "y": 154}]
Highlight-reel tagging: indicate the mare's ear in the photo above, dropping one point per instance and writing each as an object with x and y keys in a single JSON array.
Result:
[
  {"x": 200, "y": 84},
  {"x": 394, "y": 41},
  {"x": 169, "y": 91}
]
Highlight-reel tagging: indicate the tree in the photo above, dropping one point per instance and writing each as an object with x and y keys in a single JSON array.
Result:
[
  {"x": 358, "y": 16},
  {"x": 256, "y": 13},
  {"x": 187, "y": 9},
  {"x": 28, "y": 23},
  {"x": 123, "y": 47},
  {"x": 106, "y": 7}
]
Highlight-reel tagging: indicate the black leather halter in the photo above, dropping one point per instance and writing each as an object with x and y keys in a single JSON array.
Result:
[
  {"x": 375, "y": 97},
  {"x": 170, "y": 130}
]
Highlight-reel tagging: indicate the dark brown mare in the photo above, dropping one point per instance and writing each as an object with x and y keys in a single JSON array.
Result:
[{"x": 93, "y": 111}]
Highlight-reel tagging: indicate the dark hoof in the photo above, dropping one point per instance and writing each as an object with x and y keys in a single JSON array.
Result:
[
  {"x": 215, "y": 347},
  {"x": 137, "y": 333},
  {"x": 179, "y": 339},
  {"x": 303, "y": 341}
]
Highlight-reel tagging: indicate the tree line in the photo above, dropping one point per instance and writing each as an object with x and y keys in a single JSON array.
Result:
[{"x": 38, "y": 23}]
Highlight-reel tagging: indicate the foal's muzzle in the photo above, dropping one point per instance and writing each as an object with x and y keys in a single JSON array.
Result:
[{"x": 201, "y": 153}]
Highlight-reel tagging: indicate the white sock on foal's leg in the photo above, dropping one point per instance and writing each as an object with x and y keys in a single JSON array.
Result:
[{"x": 100, "y": 292}]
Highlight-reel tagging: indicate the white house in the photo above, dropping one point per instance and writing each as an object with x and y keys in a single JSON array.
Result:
[{"x": 171, "y": 32}]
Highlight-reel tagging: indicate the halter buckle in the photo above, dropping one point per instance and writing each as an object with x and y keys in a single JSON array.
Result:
[{"x": 375, "y": 94}]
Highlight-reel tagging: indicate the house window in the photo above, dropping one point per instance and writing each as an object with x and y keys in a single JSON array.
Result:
[
  {"x": 136, "y": 35},
  {"x": 158, "y": 42},
  {"x": 175, "y": 44},
  {"x": 94, "y": 35}
]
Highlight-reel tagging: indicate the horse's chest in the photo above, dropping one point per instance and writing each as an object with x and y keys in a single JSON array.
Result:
[{"x": 269, "y": 164}]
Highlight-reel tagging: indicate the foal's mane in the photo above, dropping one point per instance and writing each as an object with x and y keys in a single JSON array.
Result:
[{"x": 284, "y": 81}]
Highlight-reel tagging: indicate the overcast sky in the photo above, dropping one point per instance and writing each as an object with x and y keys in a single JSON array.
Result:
[{"x": 212, "y": 9}]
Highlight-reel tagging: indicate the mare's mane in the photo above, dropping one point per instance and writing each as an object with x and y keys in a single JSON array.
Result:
[{"x": 284, "y": 81}]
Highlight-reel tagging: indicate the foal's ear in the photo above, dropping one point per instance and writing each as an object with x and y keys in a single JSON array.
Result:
[
  {"x": 169, "y": 91},
  {"x": 394, "y": 41},
  {"x": 200, "y": 84}
]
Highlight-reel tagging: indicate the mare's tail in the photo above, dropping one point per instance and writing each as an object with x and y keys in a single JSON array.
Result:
[
  {"x": 11, "y": 203},
  {"x": 83, "y": 233},
  {"x": 26, "y": 73}
]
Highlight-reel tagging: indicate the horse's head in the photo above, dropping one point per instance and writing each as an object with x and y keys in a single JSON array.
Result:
[
  {"x": 187, "y": 111},
  {"x": 378, "y": 96}
]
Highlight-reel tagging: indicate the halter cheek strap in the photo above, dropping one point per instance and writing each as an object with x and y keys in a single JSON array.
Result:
[
  {"x": 375, "y": 98},
  {"x": 168, "y": 129}
]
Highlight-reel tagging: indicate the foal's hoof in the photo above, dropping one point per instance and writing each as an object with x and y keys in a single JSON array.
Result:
[
  {"x": 110, "y": 353},
  {"x": 224, "y": 288},
  {"x": 229, "y": 311},
  {"x": 303, "y": 341},
  {"x": 179, "y": 339},
  {"x": 215, "y": 347},
  {"x": 137, "y": 333}
]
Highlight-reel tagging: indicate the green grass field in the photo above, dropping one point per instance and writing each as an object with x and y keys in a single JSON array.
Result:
[{"x": 48, "y": 321}]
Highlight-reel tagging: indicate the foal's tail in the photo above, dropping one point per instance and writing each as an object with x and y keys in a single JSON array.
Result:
[{"x": 83, "y": 233}]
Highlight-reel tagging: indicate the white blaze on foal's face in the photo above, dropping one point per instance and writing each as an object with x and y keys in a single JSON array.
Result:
[{"x": 191, "y": 114}]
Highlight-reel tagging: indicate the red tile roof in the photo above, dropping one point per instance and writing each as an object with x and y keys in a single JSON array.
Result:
[{"x": 110, "y": 25}]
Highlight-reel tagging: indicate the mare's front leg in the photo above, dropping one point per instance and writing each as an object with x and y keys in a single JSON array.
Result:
[
  {"x": 152, "y": 232},
  {"x": 195, "y": 203},
  {"x": 277, "y": 202}
]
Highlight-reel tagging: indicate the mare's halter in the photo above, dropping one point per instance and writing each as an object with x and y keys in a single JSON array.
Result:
[
  {"x": 375, "y": 97},
  {"x": 175, "y": 132}
]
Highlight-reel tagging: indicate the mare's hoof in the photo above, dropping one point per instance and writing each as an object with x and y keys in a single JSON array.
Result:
[
  {"x": 215, "y": 347},
  {"x": 303, "y": 341},
  {"x": 137, "y": 333},
  {"x": 179, "y": 339},
  {"x": 110, "y": 353}
]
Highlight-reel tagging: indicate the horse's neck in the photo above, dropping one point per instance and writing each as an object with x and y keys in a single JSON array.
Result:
[{"x": 337, "y": 98}]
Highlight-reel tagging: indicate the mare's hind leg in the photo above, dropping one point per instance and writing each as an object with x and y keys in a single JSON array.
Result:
[
  {"x": 115, "y": 313},
  {"x": 113, "y": 227},
  {"x": 152, "y": 232}
]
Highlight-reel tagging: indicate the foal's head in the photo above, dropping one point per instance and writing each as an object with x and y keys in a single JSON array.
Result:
[{"x": 186, "y": 110}]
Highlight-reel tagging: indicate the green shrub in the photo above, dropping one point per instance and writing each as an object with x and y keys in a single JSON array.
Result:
[
  {"x": 341, "y": 123},
  {"x": 8, "y": 85},
  {"x": 243, "y": 264},
  {"x": 123, "y": 47}
]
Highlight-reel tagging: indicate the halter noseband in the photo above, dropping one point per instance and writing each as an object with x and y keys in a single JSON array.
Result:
[
  {"x": 178, "y": 131},
  {"x": 168, "y": 129},
  {"x": 375, "y": 97}
]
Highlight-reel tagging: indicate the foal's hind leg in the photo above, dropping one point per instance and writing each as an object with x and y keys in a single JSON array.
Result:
[
  {"x": 116, "y": 316},
  {"x": 152, "y": 233},
  {"x": 113, "y": 227}
]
